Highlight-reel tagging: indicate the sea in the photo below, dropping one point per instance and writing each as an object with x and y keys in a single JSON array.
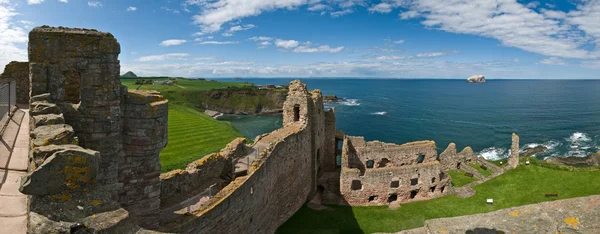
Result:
[{"x": 562, "y": 115}]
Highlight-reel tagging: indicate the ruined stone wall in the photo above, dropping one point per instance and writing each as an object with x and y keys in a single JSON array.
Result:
[
  {"x": 329, "y": 161},
  {"x": 267, "y": 197},
  {"x": 451, "y": 160},
  {"x": 317, "y": 123},
  {"x": 390, "y": 182},
  {"x": 216, "y": 168},
  {"x": 513, "y": 160},
  {"x": 392, "y": 155},
  {"x": 19, "y": 72},
  {"x": 144, "y": 136}
]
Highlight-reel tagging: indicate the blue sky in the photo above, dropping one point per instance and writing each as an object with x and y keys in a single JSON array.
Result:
[{"x": 329, "y": 38}]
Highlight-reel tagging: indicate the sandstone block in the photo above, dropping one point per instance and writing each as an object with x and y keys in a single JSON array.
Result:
[
  {"x": 43, "y": 108},
  {"x": 49, "y": 119},
  {"x": 58, "y": 134},
  {"x": 69, "y": 169}
]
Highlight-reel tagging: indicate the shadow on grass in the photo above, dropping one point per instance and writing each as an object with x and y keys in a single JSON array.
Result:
[{"x": 311, "y": 221}]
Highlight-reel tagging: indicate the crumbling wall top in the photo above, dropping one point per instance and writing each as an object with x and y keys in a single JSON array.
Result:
[
  {"x": 65, "y": 30},
  {"x": 296, "y": 86}
]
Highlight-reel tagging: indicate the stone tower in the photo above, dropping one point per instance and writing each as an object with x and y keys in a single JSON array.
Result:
[
  {"x": 78, "y": 69},
  {"x": 513, "y": 160}
]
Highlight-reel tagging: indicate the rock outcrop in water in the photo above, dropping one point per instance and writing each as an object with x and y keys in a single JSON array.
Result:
[
  {"x": 590, "y": 160},
  {"x": 476, "y": 79}
]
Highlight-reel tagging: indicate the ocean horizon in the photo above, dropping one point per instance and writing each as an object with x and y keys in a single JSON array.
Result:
[{"x": 561, "y": 115}]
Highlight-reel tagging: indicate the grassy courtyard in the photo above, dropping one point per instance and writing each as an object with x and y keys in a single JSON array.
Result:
[
  {"x": 483, "y": 172},
  {"x": 523, "y": 185},
  {"x": 192, "y": 134}
]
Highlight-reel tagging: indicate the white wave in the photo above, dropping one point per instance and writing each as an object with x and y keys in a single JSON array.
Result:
[
  {"x": 380, "y": 113},
  {"x": 494, "y": 153},
  {"x": 350, "y": 102},
  {"x": 578, "y": 137}
]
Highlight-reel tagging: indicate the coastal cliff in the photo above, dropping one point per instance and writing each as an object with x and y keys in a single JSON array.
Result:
[
  {"x": 246, "y": 101},
  {"x": 476, "y": 79}
]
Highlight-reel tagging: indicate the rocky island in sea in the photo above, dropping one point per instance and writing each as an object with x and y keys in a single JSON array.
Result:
[{"x": 476, "y": 79}]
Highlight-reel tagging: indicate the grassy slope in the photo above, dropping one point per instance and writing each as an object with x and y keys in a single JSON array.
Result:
[
  {"x": 192, "y": 134},
  {"x": 459, "y": 178},
  {"x": 524, "y": 185},
  {"x": 483, "y": 172}
]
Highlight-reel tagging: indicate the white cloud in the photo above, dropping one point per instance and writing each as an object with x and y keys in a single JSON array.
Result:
[
  {"x": 398, "y": 42},
  {"x": 286, "y": 44},
  {"x": 172, "y": 42},
  {"x": 12, "y": 38},
  {"x": 389, "y": 57},
  {"x": 217, "y": 42},
  {"x": 510, "y": 22},
  {"x": 264, "y": 44},
  {"x": 318, "y": 7},
  {"x": 532, "y": 5},
  {"x": 323, "y": 48},
  {"x": 261, "y": 38},
  {"x": 430, "y": 55},
  {"x": 215, "y": 13},
  {"x": 131, "y": 8},
  {"x": 336, "y": 14},
  {"x": 409, "y": 14},
  {"x": 553, "y": 61},
  {"x": 161, "y": 57},
  {"x": 554, "y": 14},
  {"x": 95, "y": 4},
  {"x": 238, "y": 28},
  {"x": 34, "y": 2},
  {"x": 204, "y": 58},
  {"x": 381, "y": 8},
  {"x": 64, "y": 1}
]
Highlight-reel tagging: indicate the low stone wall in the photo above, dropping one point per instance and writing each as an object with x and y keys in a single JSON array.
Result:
[
  {"x": 215, "y": 168},
  {"x": 19, "y": 72},
  {"x": 278, "y": 185}
]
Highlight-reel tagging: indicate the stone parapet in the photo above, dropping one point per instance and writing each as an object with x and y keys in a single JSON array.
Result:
[{"x": 18, "y": 72}]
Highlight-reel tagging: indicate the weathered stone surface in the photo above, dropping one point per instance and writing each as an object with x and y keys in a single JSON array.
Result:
[
  {"x": 43, "y": 108},
  {"x": 464, "y": 192},
  {"x": 377, "y": 173},
  {"x": 49, "y": 119},
  {"x": 19, "y": 72},
  {"x": 513, "y": 160},
  {"x": 45, "y": 97},
  {"x": 69, "y": 169},
  {"x": 235, "y": 149},
  {"x": 476, "y": 79},
  {"x": 40, "y": 154},
  {"x": 58, "y": 134}
]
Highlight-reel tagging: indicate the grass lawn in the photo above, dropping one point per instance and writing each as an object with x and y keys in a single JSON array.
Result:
[
  {"x": 459, "y": 178},
  {"x": 483, "y": 172},
  {"x": 523, "y": 185},
  {"x": 193, "y": 134}
]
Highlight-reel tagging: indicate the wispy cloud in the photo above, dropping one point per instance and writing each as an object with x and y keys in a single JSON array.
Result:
[
  {"x": 217, "y": 42},
  {"x": 131, "y": 8},
  {"x": 172, "y": 42},
  {"x": 95, "y": 4},
  {"x": 286, "y": 44},
  {"x": 238, "y": 28},
  {"x": 161, "y": 57},
  {"x": 553, "y": 61},
  {"x": 34, "y": 2},
  {"x": 323, "y": 48}
]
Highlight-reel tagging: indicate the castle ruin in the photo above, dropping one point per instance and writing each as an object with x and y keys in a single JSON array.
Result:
[{"x": 95, "y": 145}]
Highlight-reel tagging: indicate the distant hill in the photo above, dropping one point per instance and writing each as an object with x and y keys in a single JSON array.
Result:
[{"x": 129, "y": 74}]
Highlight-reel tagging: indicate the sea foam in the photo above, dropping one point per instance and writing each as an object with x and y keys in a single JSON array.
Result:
[{"x": 380, "y": 113}]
